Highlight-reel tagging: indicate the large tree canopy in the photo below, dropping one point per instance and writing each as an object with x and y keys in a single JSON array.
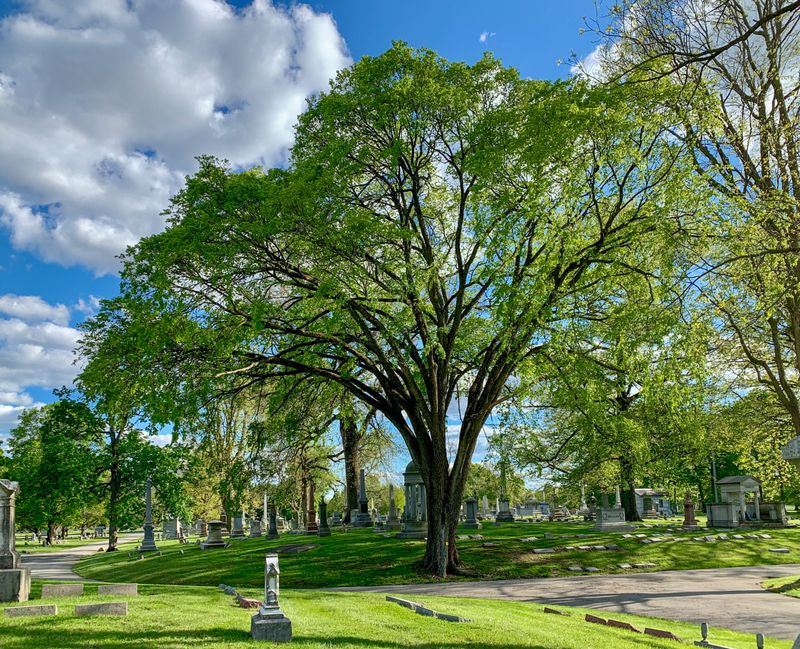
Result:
[{"x": 437, "y": 220}]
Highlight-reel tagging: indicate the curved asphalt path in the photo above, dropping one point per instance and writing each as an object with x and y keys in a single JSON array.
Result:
[
  {"x": 723, "y": 597},
  {"x": 58, "y": 565}
]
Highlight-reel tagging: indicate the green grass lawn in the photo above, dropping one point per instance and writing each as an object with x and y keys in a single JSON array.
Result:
[
  {"x": 72, "y": 541},
  {"x": 784, "y": 585},
  {"x": 169, "y": 617},
  {"x": 362, "y": 557}
]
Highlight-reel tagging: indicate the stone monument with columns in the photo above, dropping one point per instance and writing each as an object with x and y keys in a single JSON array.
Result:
[
  {"x": 415, "y": 516},
  {"x": 270, "y": 624},
  {"x": 15, "y": 581}
]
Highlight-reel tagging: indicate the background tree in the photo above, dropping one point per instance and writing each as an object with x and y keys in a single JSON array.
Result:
[
  {"x": 737, "y": 63},
  {"x": 54, "y": 457}
]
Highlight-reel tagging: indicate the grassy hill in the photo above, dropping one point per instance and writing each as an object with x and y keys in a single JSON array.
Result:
[
  {"x": 170, "y": 617},
  {"x": 362, "y": 557}
]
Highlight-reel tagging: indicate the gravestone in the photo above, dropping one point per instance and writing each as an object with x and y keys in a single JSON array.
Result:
[
  {"x": 504, "y": 514},
  {"x": 52, "y": 591},
  {"x": 612, "y": 519},
  {"x": 201, "y": 527},
  {"x": 485, "y": 506},
  {"x": 149, "y": 542},
  {"x": 214, "y": 539},
  {"x": 471, "y": 506},
  {"x": 270, "y": 624},
  {"x": 255, "y": 528},
  {"x": 172, "y": 529},
  {"x": 336, "y": 520},
  {"x": 31, "y": 611},
  {"x": 363, "y": 519},
  {"x": 15, "y": 581},
  {"x": 237, "y": 532},
  {"x": 118, "y": 589},
  {"x": 323, "y": 530},
  {"x": 107, "y": 608},
  {"x": 392, "y": 522},
  {"x": 273, "y": 526}
]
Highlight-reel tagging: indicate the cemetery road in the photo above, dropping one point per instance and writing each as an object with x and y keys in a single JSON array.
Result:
[
  {"x": 58, "y": 565},
  {"x": 723, "y": 597}
]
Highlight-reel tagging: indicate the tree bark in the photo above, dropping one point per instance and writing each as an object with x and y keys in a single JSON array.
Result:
[
  {"x": 350, "y": 440},
  {"x": 115, "y": 488},
  {"x": 628, "y": 494}
]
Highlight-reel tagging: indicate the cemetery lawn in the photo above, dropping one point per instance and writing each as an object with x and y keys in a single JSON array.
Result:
[
  {"x": 364, "y": 558},
  {"x": 170, "y": 617},
  {"x": 784, "y": 585},
  {"x": 29, "y": 547}
]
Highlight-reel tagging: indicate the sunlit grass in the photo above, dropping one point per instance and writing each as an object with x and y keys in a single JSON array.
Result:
[{"x": 168, "y": 617}]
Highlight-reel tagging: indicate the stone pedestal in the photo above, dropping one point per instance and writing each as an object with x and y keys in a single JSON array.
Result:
[
  {"x": 15, "y": 585},
  {"x": 149, "y": 543},
  {"x": 504, "y": 515},
  {"x": 271, "y": 626},
  {"x": 214, "y": 539},
  {"x": 471, "y": 511}
]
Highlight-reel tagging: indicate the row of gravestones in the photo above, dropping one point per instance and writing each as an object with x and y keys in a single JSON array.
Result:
[{"x": 54, "y": 591}]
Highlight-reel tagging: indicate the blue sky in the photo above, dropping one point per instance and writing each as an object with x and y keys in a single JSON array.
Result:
[{"x": 105, "y": 103}]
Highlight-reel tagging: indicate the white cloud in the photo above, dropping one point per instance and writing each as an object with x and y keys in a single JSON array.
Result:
[
  {"x": 485, "y": 36},
  {"x": 33, "y": 308},
  {"x": 591, "y": 66},
  {"x": 105, "y": 103},
  {"x": 87, "y": 307},
  {"x": 36, "y": 350}
]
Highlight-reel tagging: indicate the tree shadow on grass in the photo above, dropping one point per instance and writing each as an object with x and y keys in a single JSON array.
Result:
[{"x": 45, "y": 636}]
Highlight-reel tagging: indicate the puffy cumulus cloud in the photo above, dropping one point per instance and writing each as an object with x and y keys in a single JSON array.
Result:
[
  {"x": 36, "y": 350},
  {"x": 105, "y": 103},
  {"x": 33, "y": 308}
]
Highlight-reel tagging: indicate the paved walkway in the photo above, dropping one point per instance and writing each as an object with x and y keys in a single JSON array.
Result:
[
  {"x": 58, "y": 565},
  {"x": 724, "y": 597}
]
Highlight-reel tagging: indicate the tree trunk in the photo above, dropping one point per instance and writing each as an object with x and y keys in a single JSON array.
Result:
[
  {"x": 444, "y": 491},
  {"x": 116, "y": 487},
  {"x": 628, "y": 493},
  {"x": 51, "y": 532},
  {"x": 350, "y": 440}
]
